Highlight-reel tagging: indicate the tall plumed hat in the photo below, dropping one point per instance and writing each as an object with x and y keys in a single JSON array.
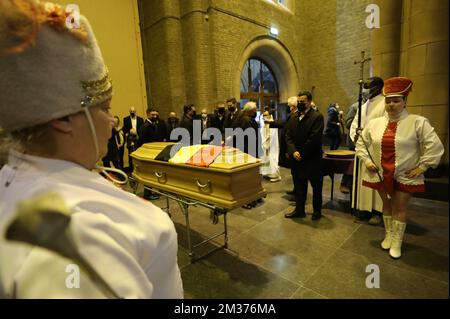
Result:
[
  {"x": 397, "y": 86},
  {"x": 50, "y": 64}
]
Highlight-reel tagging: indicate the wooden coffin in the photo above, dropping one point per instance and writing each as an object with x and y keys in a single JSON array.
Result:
[{"x": 224, "y": 183}]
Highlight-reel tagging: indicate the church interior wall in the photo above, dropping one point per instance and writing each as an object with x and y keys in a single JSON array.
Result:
[
  {"x": 116, "y": 25},
  {"x": 194, "y": 50}
]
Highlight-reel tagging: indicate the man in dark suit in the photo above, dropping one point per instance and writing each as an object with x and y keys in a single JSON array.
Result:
[
  {"x": 293, "y": 112},
  {"x": 218, "y": 119},
  {"x": 234, "y": 114},
  {"x": 187, "y": 122},
  {"x": 172, "y": 123},
  {"x": 304, "y": 144},
  {"x": 153, "y": 130},
  {"x": 247, "y": 121},
  {"x": 131, "y": 126},
  {"x": 205, "y": 122},
  {"x": 232, "y": 121}
]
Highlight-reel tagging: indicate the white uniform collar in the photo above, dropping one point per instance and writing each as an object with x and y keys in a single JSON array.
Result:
[
  {"x": 376, "y": 98},
  {"x": 401, "y": 116},
  {"x": 41, "y": 163}
]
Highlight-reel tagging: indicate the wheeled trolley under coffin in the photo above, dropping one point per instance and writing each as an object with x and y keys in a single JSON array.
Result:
[{"x": 231, "y": 181}]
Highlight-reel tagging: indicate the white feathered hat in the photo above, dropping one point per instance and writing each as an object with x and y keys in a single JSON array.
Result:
[{"x": 48, "y": 69}]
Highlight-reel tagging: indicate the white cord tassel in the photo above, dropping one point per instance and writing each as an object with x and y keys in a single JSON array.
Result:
[
  {"x": 102, "y": 169},
  {"x": 105, "y": 171}
]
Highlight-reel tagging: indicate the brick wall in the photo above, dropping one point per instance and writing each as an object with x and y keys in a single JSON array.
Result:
[
  {"x": 193, "y": 47},
  {"x": 335, "y": 35}
]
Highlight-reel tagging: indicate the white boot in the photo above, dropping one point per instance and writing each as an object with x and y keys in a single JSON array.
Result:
[
  {"x": 386, "y": 243},
  {"x": 397, "y": 238}
]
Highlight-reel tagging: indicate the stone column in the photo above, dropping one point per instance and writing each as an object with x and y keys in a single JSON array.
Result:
[
  {"x": 197, "y": 56},
  {"x": 386, "y": 39},
  {"x": 163, "y": 55},
  {"x": 425, "y": 60}
]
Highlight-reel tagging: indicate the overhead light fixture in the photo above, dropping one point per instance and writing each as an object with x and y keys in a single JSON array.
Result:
[{"x": 273, "y": 31}]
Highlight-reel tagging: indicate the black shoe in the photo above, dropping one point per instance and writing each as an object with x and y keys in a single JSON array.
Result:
[
  {"x": 316, "y": 216},
  {"x": 292, "y": 192},
  {"x": 294, "y": 214},
  {"x": 151, "y": 197}
]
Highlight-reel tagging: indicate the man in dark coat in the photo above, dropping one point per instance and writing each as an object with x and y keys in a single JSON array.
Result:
[
  {"x": 234, "y": 114},
  {"x": 218, "y": 119},
  {"x": 172, "y": 123},
  {"x": 131, "y": 126},
  {"x": 251, "y": 144},
  {"x": 304, "y": 144},
  {"x": 293, "y": 112},
  {"x": 153, "y": 130},
  {"x": 187, "y": 122}
]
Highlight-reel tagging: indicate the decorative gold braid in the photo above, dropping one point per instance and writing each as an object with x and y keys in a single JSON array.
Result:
[{"x": 96, "y": 91}]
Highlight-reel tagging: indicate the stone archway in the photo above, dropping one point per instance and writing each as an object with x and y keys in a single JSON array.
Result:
[{"x": 280, "y": 60}]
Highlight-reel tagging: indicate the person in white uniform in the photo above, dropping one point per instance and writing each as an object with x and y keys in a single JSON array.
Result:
[
  {"x": 367, "y": 199},
  {"x": 56, "y": 118},
  {"x": 397, "y": 149}
]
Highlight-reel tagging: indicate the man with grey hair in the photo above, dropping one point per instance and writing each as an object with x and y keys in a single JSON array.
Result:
[
  {"x": 250, "y": 106},
  {"x": 250, "y": 138},
  {"x": 172, "y": 123}
]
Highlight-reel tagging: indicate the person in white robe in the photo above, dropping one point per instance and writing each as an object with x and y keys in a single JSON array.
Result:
[
  {"x": 367, "y": 199},
  {"x": 55, "y": 124}
]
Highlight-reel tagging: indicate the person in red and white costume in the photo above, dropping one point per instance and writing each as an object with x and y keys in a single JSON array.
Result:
[{"x": 397, "y": 148}]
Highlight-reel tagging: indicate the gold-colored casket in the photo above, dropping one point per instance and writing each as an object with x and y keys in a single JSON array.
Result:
[{"x": 230, "y": 181}]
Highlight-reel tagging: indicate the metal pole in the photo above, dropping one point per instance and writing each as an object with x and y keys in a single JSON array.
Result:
[{"x": 360, "y": 83}]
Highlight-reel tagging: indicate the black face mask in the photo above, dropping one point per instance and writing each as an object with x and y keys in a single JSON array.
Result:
[
  {"x": 253, "y": 116},
  {"x": 132, "y": 114},
  {"x": 194, "y": 114},
  {"x": 172, "y": 120},
  {"x": 221, "y": 111},
  {"x": 231, "y": 109},
  {"x": 301, "y": 106}
]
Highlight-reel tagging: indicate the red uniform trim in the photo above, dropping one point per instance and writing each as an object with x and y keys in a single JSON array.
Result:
[{"x": 388, "y": 156}]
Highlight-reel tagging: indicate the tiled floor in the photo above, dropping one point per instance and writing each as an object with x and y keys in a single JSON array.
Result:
[{"x": 269, "y": 256}]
